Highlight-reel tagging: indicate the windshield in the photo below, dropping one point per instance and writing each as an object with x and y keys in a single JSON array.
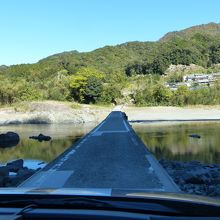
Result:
[{"x": 110, "y": 98}]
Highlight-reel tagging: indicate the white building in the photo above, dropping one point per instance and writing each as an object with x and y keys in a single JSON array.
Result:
[{"x": 201, "y": 78}]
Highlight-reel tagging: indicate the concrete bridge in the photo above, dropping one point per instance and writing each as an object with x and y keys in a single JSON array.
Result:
[{"x": 111, "y": 156}]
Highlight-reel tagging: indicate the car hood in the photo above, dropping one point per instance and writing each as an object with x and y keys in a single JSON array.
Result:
[{"x": 131, "y": 193}]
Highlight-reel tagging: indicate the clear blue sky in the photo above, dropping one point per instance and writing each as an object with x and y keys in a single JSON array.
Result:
[{"x": 33, "y": 29}]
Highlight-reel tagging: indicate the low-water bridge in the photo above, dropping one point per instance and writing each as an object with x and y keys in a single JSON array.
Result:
[{"x": 110, "y": 157}]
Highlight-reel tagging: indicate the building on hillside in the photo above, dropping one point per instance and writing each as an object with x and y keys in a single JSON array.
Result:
[
  {"x": 201, "y": 78},
  {"x": 216, "y": 75}
]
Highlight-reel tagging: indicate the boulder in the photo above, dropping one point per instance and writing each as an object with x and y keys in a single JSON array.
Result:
[
  {"x": 15, "y": 165},
  {"x": 9, "y": 139},
  {"x": 4, "y": 171},
  {"x": 194, "y": 136},
  {"x": 214, "y": 181},
  {"x": 124, "y": 115},
  {"x": 2, "y": 181},
  {"x": 41, "y": 137},
  {"x": 21, "y": 176},
  {"x": 7, "y": 181},
  {"x": 25, "y": 172},
  {"x": 15, "y": 181}
]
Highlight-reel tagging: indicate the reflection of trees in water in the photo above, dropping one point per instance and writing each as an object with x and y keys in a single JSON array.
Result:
[
  {"x": 173, "y": 141},
  {"x": 63, "y": 136},
  {"x": 203, "y": 156},
  {"x": 169, "y": 141},
  {"x": 31, "y": 149}
]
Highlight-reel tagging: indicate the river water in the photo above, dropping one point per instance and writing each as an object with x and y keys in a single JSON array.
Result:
[
  {"x": 165, "y": 140},
  {"x": 172, "y": 141}
]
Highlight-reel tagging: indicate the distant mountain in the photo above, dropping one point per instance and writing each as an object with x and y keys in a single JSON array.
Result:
[
  {"x": 210, "y": 29},
  {"x": 199, "y": 45}
]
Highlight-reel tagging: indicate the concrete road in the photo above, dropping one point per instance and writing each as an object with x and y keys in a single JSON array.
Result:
[{"x": 111, "y": 156}]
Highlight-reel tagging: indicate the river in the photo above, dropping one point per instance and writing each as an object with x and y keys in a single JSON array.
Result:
[{"x": 166, "y": 140}]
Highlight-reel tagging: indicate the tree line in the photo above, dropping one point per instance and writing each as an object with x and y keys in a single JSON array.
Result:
[
  {"x": 91, "y": 86},
  {"x": 160, "y": 95},
  {"x": 101, "y": 76}
]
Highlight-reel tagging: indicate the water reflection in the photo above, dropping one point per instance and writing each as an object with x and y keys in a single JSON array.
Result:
[
  {"x": 34, "y": 164},
  {"x": 172, "y": 141},
  {"x": 165, "y": 140},
  {"x": 63, "y": 136}
]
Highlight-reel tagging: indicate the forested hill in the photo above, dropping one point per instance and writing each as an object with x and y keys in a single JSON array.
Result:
[
  {"x": 199, "y": 45},
  {"x": 211, "y": 29},
  {"x": 50, "y": 77}
]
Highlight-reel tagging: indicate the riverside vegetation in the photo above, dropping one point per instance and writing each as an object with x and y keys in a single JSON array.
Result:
[{"x": 132, "y": 72}]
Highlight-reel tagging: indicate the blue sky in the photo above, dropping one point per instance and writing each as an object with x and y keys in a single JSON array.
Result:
[{"x": 34, "y": 29}]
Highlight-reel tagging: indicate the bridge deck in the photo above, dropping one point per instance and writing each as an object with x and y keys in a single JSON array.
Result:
[{"x": 110, "y": 156}]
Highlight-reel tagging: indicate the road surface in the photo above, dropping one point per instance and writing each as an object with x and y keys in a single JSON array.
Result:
[{"x": 111, "y": 156}]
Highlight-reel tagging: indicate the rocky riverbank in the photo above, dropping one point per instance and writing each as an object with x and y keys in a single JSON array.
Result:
[
  {"x": 14, "y": 173},
  {"x": 191, "y": 177},
  {"x": 52, "y": 112},
  {"x": 194, "y": 177}
]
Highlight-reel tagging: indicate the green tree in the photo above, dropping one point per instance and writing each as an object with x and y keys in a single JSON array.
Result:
[
  {"x": 93, "y": 90},
  {"x": 162, "y": 95},
  {"x": 214, "y": 54},
  {"x": 112, "y": 88},
  {"x": 110, "y": 94},
  {"x": 83, "y": 81},
  {"x": 144, "y": 97},
  {"x": 181, "y": 96},
  {"x": 58, "y": 87}
]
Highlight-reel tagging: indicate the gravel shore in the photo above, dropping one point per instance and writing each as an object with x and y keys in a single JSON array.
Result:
[
  {"x": 50, "y": 112},
  {"x": 173, "y": 113}
]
